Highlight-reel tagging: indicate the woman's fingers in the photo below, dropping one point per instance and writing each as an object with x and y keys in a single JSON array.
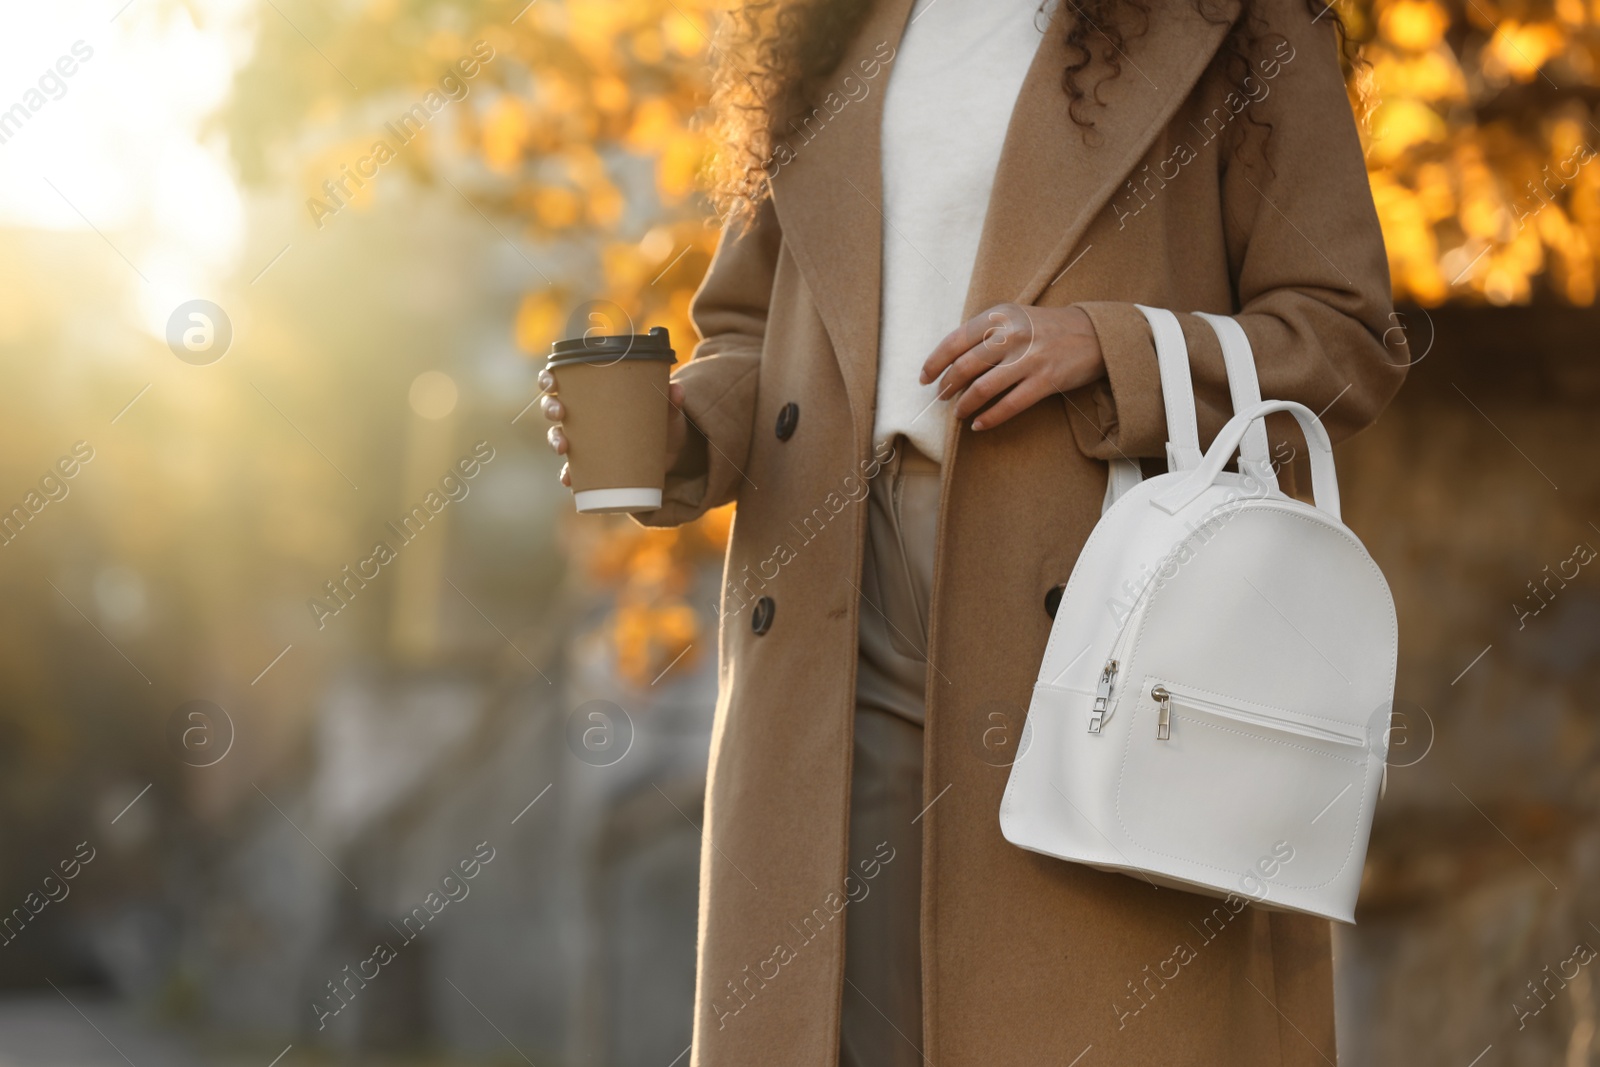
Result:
[
  {"x": 557, "y": 439},
  {"x": 554, "y": 412},
  {"x": 988, "y": 385},
  {"x": 946, "y": 352},
  {"x": 964, "y": 371},
  {"x": 969, "y": 336},
  {"x": 1028, "y": 392},
  {"x": 1000, "y": 351},
  {"x": 1000, "y": 335}
]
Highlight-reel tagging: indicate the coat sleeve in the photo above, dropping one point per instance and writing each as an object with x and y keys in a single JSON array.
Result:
[
  {"x": 1307, "y": 265},
  {"x": 719, "y": 382}
]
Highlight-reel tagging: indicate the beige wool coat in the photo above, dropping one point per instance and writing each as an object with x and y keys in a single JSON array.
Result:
[{"x": 1027, "y": 960}]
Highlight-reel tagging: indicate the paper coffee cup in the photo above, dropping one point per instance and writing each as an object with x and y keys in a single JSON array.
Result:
[{"x": 613, "y": 391}]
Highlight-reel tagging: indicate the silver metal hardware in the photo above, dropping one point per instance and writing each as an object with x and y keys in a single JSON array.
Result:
[
  {"x": 1163, "y": 701},
  {"x": 1102, "y": 696}
]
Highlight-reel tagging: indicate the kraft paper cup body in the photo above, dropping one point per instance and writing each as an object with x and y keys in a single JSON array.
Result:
[{"x": 615, "y": 421}]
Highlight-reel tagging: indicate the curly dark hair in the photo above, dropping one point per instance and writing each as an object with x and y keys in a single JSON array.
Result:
[{"x": 773, "y": 55}]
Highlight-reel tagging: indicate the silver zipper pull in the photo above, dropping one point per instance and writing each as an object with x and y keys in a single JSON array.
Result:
[
  {"x": 1102, "y": 696},
  {"x": 1163, "y": 701}
]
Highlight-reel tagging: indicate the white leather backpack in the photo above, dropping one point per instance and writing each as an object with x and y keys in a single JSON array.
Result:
[{"x": 1212, "y": 711}]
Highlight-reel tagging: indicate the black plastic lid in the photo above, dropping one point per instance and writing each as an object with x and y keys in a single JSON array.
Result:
[{"x": 611, "y": 348}]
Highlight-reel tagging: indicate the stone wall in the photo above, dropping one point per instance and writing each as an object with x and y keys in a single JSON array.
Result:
[{"x": 1482, "y": 889}]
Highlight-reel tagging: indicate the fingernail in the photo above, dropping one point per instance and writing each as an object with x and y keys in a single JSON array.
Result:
[{"x": 977, "y": 424}]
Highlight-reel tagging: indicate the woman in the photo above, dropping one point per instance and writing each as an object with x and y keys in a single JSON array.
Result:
[{"x": 920, "y": 348}]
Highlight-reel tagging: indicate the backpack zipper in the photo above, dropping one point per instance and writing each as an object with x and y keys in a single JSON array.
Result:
[
  {"x": 1165, "y": 698},
  {"x": 1164, "y": 718},
  {"x": 1102, "y": 695},
  {"x": 1108, "y": 674}
]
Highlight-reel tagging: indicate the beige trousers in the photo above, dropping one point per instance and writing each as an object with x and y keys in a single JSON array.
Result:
[{"x": 881, "y": 1013}]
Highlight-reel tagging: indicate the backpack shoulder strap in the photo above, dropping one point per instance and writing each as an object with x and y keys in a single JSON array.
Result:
[{"x": 1122, "y": 475}]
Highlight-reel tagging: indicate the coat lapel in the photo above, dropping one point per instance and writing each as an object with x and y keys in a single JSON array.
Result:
[
  {"x": 1050, "y": 183},
  {"x": 828, "y": 202}
]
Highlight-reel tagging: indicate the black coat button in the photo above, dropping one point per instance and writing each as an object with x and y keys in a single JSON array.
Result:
[
  {"x": 788, "y": 419},
  {"x": 1052, "y": 599},
  {"x": 761, "y": 617}
]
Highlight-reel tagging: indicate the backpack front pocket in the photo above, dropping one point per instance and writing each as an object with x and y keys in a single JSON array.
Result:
[{"x": 1251, "y": 797}]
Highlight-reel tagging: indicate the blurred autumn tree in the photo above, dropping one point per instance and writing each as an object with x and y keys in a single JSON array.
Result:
[
  {"x": 577, "y": 139},
  {"x": 580, "y": 140},
  {"x": 1480, "y": 139}
]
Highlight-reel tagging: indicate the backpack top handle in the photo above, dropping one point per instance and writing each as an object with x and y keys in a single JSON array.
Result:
[{"x": 1324, "y": 480}]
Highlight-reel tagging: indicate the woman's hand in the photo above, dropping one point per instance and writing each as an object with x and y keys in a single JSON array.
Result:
[
  {"x": 1034, "y": 352},
  {"x": 550, "y": 404}
]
